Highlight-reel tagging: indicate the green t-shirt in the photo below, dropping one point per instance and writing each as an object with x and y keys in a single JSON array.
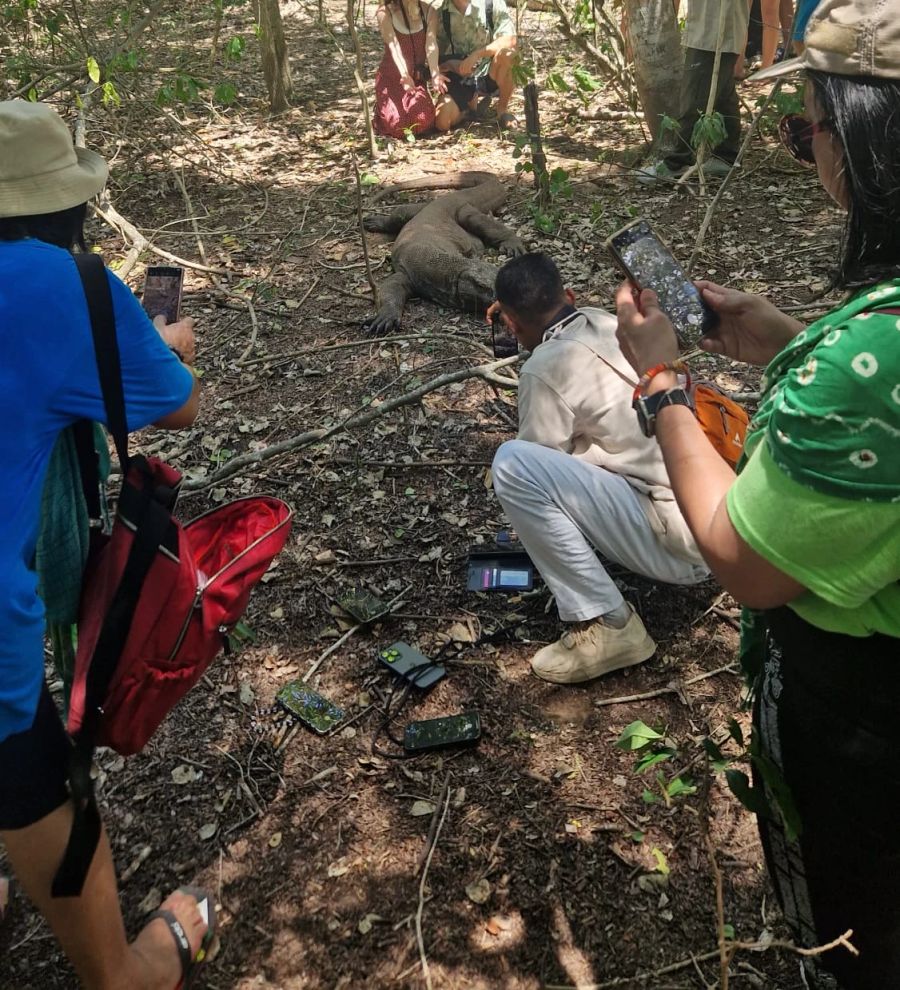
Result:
[{"x": 818, "y": 494}]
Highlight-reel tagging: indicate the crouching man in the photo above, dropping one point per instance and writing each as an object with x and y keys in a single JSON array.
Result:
[{"x": 581, "y": 477}]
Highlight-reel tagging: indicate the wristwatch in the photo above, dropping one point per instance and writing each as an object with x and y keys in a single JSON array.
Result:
[{"x": 647, "y": 407}]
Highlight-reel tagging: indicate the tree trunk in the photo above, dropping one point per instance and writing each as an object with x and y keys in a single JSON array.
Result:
[
  {"x": 276, "y": 67},
  {"x": 653, "y": 32}
]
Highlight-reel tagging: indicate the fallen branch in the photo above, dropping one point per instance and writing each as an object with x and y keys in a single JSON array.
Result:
[
  {"x": 668, "y": 689},
  {"x": 238, "y": 464},
  {"x": 421, "y": 907},
  {"x": 370, "y": 341}
]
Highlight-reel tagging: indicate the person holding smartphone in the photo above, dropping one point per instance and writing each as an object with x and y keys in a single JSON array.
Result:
[
  {"x": 807, "y": 535},
  {"x": 49, "y": 382},
  {"x": 582, "y": 478}
]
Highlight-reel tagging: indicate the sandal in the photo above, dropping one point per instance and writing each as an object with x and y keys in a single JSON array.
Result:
[
  {"x": 209, "y": 946},
  {"x": 5, "y": 896}
]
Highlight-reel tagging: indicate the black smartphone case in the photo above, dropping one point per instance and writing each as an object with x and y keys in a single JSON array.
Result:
[
  {"x": 434, "y": 733},
  {"x": 498, "y": 559},
  {"x": 404, "y": 661}
]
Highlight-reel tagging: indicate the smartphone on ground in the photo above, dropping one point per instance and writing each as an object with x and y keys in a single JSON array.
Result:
[
  {"x": 649, "y": 264},
  {"x": 162, "y": 292},
  {"x": 436, "y": 733},
  {"x": 507, "y": 570},
  {"x": 411, "y": 665},
  {"x": 314, "y": 710},
  {"x": 503, "y": 341}
]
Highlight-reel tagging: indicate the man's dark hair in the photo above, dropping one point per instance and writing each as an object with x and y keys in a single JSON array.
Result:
[
  {"x": 531, "y": 285},
  {"x": 65, "y": 228},
  {"x": 864, "y": 115}
]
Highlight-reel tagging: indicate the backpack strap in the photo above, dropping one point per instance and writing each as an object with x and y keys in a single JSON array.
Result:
[
  {"x": 445, "y": 16},
  {"x": 489, "y": 16},
  {"x": 86, "y": 825}
]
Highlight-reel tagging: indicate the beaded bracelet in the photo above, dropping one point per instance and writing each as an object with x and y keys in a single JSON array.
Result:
[{"x": 678, "y": 366}]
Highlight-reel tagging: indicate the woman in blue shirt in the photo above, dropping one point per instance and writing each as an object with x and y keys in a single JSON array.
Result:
[{"x": 49, "y": 380}]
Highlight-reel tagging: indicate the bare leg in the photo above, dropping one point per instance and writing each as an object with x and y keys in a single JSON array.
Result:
[
  {"x": 490, "y": 230},
  {"x": 501, "y": 72},
  {"x": 393, "y": 222},
  {"x": 90, "y": 927},
  {"x": 771, "y": 21}
]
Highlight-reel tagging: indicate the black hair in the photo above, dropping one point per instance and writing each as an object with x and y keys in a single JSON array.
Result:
[
  {"x": 65, "y": 228},
  {"x": 530, "y": 285},
  {"x": 864, "y": 115}
]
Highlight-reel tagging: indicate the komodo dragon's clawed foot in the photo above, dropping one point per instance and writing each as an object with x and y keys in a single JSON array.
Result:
[
  {"x": 381, "y": 324},
  {"x": 513, "y": 246},
  {"x": 379, "y": 223}
]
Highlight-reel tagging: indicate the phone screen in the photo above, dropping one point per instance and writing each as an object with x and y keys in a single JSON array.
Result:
[
  {"x": 309, "y": 707},
  {"x": 162, "y": 292},
  {"x": 503, "y": 340},
  {"x": 650, "y": 264}
]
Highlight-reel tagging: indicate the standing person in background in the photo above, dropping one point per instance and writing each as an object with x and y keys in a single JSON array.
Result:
[
  {"x": 701, "y": 35},
  {"x": 805, "y": 10},
  {"x": 477, "y": 42},
  {"x": 410, "y": 61},
  {"x": 778, "y": 19},
  {"x": 808, "y": 533}
]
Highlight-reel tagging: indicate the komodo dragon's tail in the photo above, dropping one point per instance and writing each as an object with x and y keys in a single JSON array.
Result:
[{"x": 451, "y": 180}]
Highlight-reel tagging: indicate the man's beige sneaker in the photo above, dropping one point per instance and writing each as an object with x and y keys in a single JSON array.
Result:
[{"x": 591, "y": 649}]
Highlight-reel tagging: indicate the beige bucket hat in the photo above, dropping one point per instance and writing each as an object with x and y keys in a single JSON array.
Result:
[
  {"x": 41, "y": 171},
  {"x": 848, "y": 38}
]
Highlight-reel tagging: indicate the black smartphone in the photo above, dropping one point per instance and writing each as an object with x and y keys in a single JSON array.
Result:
[
  {"x": 362, "y": 605},
  {"x": 504, "y": 571},
  {"x": 412, "y": 665},
  {"x": 503, "y": 340},
  {"x": 647, "y": 262},
  {"x": 309, "y": 707},
  {"x": 435, "y": 733},
  {"x": 162, "y": 292}
]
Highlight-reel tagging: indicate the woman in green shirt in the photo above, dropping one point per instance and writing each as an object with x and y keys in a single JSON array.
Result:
[{"x": 808, "y": 535}]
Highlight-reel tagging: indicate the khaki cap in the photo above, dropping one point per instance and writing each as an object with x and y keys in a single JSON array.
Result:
[
  {"x": 848, "y": 38},
  {"x": 41, "y": 171}
]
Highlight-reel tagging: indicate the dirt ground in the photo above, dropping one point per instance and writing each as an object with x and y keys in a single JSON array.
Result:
[{"x": 544, "y": 864}]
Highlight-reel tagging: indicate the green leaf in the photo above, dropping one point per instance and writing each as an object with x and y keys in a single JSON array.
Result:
[
  {"x": 728, "y": 931},
  {"x": 712, "y": 750},
  {"x": 751, "y": 798},
  {"x": 637, "y": 836},
  {"x": 225, "y": 93},
  {"x": 637, "y": 735},
  {"x": 110, "y": 94},
  {"x": 662, "y": 865},
  {"x": 557, "y": 83},
  {"x": 234, "y": 48},
  {"x": 734, "y": 730},
  {"x": 648, "y": 797},
  {"x": 585, "y": 81},
  {"x": 369, "y": 179},
  {"x": 650, "y": 759},
  {"x": 680, "y": 788},
  {"x": 93, "y": 69}
]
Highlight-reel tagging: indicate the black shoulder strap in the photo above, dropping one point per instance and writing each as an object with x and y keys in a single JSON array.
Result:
[
  {"x": 106, "y": 348},
  {"x": 489, "y": 14},
  {"x": 445, "y": 15}
]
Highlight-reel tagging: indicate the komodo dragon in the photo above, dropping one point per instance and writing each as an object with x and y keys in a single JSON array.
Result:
[{"x": 436, "y": 253}]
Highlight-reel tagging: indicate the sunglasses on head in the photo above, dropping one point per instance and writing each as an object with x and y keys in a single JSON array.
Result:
[{"x": 797, "y": 133}]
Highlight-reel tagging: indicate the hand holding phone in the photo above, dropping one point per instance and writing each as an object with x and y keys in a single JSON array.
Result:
[
  {"x": 649, "y": 264},
  {"x": 503, "y": 341},
  {"x": 162, "y": 292}
]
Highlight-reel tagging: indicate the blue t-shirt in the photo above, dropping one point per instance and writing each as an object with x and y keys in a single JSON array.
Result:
[{"x": 48, "y": 380}]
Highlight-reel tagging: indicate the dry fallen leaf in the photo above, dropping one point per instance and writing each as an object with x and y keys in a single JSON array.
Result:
[
  {"x": 208, "y": 830},
  {"x": 275, "y": 840},
  {"x": 479, "y": 891},
  {"x": 365, "y": 924},
  {"x": 421, "y": 808},
  {"x": 338, "y": 869},
  {"x": 184, "y": 774}
]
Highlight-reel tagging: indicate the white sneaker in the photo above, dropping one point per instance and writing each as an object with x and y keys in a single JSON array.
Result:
[
  {"x": 649, "y": 175},
  {"x": 591, "y": 649}
]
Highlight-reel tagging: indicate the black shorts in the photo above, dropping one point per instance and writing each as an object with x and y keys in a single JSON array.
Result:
[
  {"x": 34, "y": 767},
  {"x": 462, "y": 89}
]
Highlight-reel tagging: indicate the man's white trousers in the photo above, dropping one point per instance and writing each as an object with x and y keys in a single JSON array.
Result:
[{"x": 564, "y": 510}]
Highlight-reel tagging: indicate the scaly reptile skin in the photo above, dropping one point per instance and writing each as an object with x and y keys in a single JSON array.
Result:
[{"x": 437, "y": 251}]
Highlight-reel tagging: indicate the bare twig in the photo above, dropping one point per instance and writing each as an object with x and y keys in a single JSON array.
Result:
[
  {"x": 668, "y": 689},
  {"x": 354, "y": 421},
  {"x": 420, "y": 909},
  {"x": 362, "y": 229},
  {"x": 711, "y": 209},
  {"x": 358, "y": 76}
]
